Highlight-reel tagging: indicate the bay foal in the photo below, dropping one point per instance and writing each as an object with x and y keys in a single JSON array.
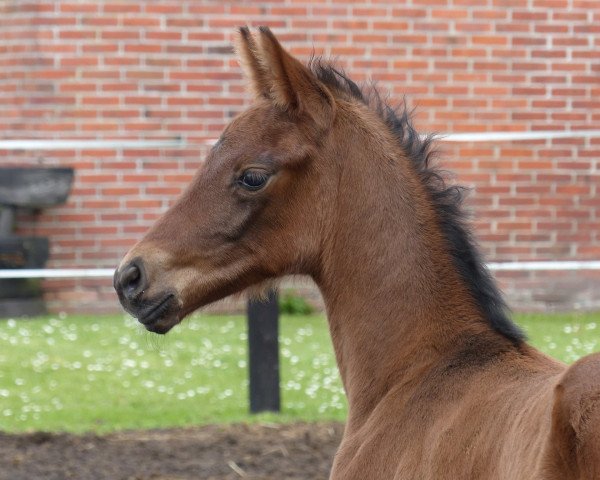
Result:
[{"x": 315, "y": 178}]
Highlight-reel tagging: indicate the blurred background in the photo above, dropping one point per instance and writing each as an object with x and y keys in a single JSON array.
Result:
[{"x": 148, "y": 71}]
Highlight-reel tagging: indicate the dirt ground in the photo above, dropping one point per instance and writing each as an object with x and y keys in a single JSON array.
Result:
[{"x": 282, "y": 452}]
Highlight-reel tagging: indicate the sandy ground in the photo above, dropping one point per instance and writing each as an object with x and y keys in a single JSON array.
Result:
[{"x": 282, "y": 452}]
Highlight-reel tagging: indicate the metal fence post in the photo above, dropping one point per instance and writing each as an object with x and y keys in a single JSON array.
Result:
[{"x": 263, "y": 347}]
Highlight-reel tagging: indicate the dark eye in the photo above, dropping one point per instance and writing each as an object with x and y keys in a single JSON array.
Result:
[{"x": 253, "y": 179}]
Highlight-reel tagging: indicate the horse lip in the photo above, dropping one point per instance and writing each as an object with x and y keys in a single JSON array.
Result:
[
  {"x": 160, "y": 327},
  {"x": 156, "y": 313}
]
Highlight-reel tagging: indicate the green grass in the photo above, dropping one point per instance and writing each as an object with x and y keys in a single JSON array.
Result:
[
  {"x": 565, "y": 336},
  {"x": 81, "y": 373}
]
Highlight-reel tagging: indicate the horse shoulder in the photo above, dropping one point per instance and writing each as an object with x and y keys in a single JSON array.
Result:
[
  {"x": 478, "y": 415},
  {"x": 573, "y": 450}
]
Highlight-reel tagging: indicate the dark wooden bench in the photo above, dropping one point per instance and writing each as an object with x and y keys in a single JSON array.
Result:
[{"x": 30, "y": 189}]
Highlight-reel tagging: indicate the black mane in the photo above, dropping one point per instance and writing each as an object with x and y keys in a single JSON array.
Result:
[{"x": 446, "y": 199}]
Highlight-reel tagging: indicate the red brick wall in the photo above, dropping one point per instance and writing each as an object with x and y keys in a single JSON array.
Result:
[{"x": 148, "y": 70}]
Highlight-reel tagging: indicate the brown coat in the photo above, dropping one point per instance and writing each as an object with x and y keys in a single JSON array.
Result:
[{"x": 317, "y": 178}]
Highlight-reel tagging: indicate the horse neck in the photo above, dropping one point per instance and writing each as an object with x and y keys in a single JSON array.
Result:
[{"x": 394, "y": 299}]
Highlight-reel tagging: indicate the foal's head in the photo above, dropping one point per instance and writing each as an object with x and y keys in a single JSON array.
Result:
[{"x": 249, "y": 214}]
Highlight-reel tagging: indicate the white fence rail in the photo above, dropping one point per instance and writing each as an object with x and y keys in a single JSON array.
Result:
[
  {"x": 83, "y": 144},
  {"x": 108, "y": 272}
]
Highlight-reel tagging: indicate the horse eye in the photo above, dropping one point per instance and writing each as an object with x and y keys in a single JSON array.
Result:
[{"x": 253, "y": 179}]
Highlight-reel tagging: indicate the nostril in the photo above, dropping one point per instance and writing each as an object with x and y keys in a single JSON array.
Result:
[
  {"x": 131, "y": 277},
  {"x": 131, "y": 280}
]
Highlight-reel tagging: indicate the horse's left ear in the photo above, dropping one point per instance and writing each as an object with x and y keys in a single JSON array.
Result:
[{"x": 276, "y": 75}]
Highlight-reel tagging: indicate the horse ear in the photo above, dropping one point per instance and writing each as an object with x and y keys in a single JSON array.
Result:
[
  {"x": 276, "y": 75},
  {"x": 248, "y": 56}
]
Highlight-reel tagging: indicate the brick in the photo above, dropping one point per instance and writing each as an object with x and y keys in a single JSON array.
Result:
[
  {"x": 142, "y": 204},
  {"x": 571, "y": 42},
  {"x": 130, "y": 69},
  {"x": 162, "y": 35},
  {"x": 120, "y": 34},
  {"x": 489, "y": 40},
  {"x": 513, "y": 27},
  {"x": 551, "y": 28},
  {"x": 99, "y": 20},
  {"x": 453, "y": 13},
  {"x": 515, "y": 225},
  {"x": 568, "y": 92},
  {"x": 143, "y": 48},
  {"x": 140, "y": 21},
  {"x": 121, "y": 7},
  {"x": 554, "y": 53},
  {"x": 528, "y": 41},
  {"x": 529, "y": 15},
  {"x": 53, "y": 21}
]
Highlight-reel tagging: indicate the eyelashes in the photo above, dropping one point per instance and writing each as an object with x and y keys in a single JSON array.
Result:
[{"x": 253, "y": 179}]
